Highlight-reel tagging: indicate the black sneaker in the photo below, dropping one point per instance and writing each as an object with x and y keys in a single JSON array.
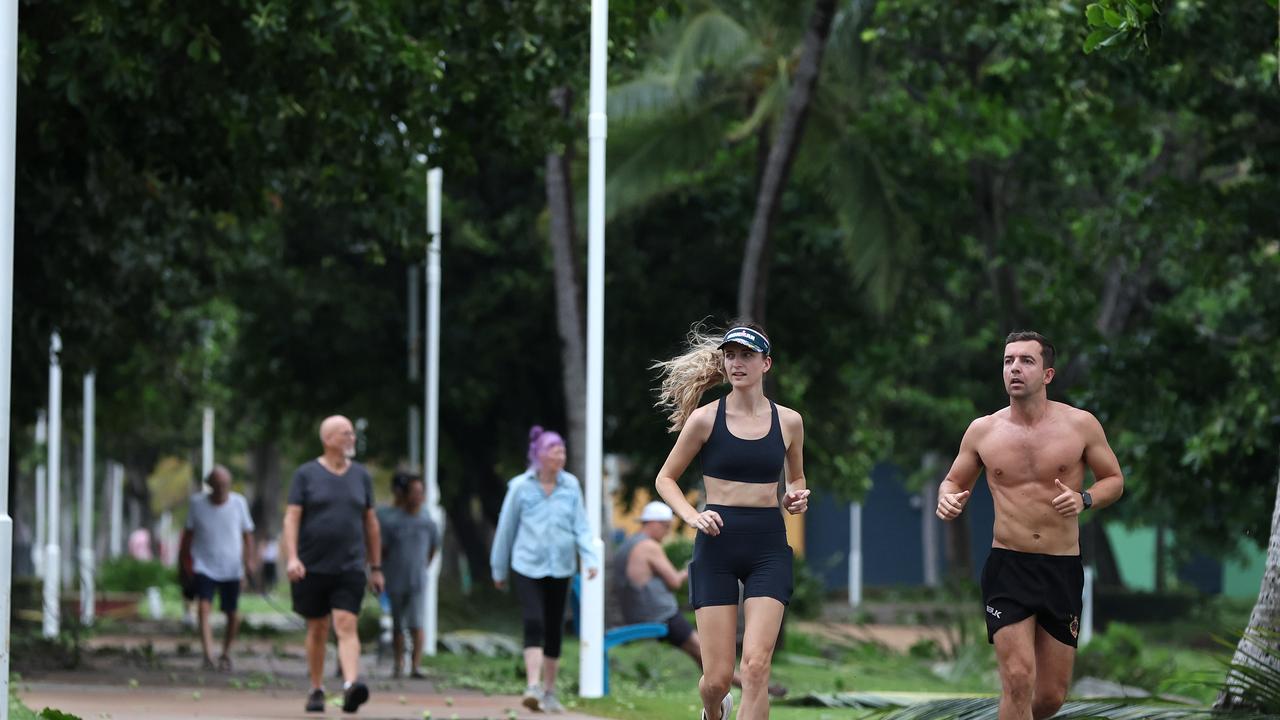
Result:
[
  {"x": 315, "y": 701},
  {"x": 354, "y": 696}
]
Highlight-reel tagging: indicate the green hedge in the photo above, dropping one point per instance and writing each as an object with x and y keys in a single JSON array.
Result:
[{"x": 128, "y": 575}]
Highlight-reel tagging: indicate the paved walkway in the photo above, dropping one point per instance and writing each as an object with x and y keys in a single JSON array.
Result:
[{"x": 122, "y": 679}]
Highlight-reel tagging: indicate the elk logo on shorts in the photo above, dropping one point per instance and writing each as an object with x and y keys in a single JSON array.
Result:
[{"x": 1075, "y": 626}]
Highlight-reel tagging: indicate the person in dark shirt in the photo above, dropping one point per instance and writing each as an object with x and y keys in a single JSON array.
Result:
[
  {"x": 410, "y": 539},
  {"x": 330, "y": 532}
]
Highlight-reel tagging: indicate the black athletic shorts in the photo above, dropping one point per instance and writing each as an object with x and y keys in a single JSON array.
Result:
[
  {"x": 188, "y": 585},
  {"x": 1017, "y": 585},
  {"x": 678, "y": 630},
  {"x": 228, "y": 591},
  {"x": 318, "y": 594},
  {"x": 751, "y": 548}
]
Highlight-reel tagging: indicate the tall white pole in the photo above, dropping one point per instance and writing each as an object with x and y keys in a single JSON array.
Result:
[
  {"x": 855, "y": 554},
  {"x": 415, "y": 362},
  {"x": 8, "y": 139},
  {"x": 115, "y": 539},
  {"x": 206, "y": 444},
  {"x": 431, "y": 597},
  {"x": 1086, "y": 614},
  {"x": 929, "y": 533},
  {"x": 591, "y": 664},
  {"x": 42, "y": 486},
  {"x": 53, "y": 554},
  {"x": 86, "y": 508}
]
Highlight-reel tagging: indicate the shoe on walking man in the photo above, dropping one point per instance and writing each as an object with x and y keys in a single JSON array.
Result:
[
  {"x": 330, "y": 533},
  {"x": 216, "y": 553}
]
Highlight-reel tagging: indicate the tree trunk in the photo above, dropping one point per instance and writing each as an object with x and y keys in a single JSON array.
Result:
[
  {"x": 1265, "y": 619},
  {"x": 753, "y": 283},
  {"x": 568, "y": 294},
  {"x": 265, "y": 466}
]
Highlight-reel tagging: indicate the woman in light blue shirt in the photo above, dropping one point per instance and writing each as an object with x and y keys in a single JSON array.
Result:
[{"x": 542, "y": 522}]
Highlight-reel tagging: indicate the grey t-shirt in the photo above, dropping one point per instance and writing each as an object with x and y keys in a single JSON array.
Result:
[
  {"x": 407, "y": 542},
  {"x": 217, "y": 535},
  {"x": 331, "y": 533}
]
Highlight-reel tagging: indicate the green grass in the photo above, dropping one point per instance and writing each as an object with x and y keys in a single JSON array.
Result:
[{"x": 651, "y": 679}]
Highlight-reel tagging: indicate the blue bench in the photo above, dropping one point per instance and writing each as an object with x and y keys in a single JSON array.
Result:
[{"x": 614, "y": 636}]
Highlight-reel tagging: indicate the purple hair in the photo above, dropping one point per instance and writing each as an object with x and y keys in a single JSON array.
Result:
[{"x": 540, "y": 441}]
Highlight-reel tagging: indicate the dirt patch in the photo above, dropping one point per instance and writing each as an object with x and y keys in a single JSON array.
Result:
[{"x": 898, "y": 638}]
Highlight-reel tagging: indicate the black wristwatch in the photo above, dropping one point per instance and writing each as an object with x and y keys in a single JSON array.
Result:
[{"x": 1088, "y": 499}]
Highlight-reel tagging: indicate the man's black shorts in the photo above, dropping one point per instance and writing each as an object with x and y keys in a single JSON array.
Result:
[
  {"x": 1017, "y": 585},
  {"x": 228, "y": 591},
  {"x": 678, "y": 630},
  {"x": 188, "y": 585},
  {"x": 317, "y": 594}
]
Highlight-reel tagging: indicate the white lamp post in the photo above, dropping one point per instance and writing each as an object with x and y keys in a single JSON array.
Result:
[
  {"x": 591, "y": 665},
  {"x": 86, "y": 508}
]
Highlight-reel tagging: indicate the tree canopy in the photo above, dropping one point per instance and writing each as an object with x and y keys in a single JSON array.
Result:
[{"x": 219, "y": 203}]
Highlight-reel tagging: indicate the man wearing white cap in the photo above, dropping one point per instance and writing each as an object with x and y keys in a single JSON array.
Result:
[{"x": 649, "y": 581}]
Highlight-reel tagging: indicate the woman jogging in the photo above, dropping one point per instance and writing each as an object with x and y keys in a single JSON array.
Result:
[
  {"x": 744, "y": 442},
  {"x": 541, "y": 522}
]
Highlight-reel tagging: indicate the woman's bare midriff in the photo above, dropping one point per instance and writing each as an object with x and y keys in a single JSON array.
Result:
[{"x": 740, "y": 494}]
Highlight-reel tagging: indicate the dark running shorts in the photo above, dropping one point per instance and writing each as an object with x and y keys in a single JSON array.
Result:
[
  {"x": 751, "y": 548},
  {"x": 318, "y": 594},
  {"x": 188, "y": 585},
  {"x": 678, "y": 630},
  {"x": 228, "y": 591},
  {"x": 1018, "y": 585}
]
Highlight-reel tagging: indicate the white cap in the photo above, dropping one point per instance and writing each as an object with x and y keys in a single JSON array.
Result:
[{"x": 656, "y": 512}]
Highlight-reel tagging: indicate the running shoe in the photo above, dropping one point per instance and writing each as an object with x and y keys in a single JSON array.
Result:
[
  {"x": 532, "y": 698},
  {"x": 315, "y": 701},
  {"x": 726, "y": 707},
  {"x": 551, "y": 704},
  {"x": 354, "y": 696}
]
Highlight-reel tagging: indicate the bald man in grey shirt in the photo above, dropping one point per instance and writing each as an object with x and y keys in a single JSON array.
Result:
[{"x": 330, "y": 533}]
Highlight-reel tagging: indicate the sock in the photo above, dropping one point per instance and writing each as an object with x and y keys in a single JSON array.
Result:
[{"x": 346, "y": 685}]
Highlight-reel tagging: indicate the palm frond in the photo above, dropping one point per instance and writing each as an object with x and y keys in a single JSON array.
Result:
[
  {"x": 709, "y": 39},
  {"x": 987, "y": 708},
  {"x": 643, "y": 97},
  {"x": 881, "y": 241},
  {"x": 1253, "y": 673},
  {"x": 659, "y": 158},
  {"x": 845, "y": 700},
  {"x": 768, "y": 107},
  {"x": 690, "y": 58}
]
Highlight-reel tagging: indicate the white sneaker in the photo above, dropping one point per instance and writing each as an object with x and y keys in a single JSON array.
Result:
[
  {"x": 532, "y": 698},
  {"x": 551, "y": 704},
  {"x": 726, "y": 707}
]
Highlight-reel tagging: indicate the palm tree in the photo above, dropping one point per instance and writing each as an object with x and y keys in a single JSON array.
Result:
[
  {"x": 729, "y": 73},
  {"x": 1254, "y": 678}
]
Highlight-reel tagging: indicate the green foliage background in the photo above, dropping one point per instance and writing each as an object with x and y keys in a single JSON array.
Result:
[{"x": 218, "y": 203}]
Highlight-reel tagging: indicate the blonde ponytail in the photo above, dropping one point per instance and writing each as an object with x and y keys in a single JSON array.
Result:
[{"x": 686, "y": 377}]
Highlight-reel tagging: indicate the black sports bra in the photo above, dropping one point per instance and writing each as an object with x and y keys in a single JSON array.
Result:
[{"x": 728, "y": 457}]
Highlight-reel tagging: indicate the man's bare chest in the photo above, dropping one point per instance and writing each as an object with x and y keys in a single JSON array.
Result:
[{"x": 1013, "y": 455}]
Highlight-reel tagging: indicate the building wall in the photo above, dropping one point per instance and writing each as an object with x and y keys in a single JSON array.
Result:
[{"x": 892, "y": 533}]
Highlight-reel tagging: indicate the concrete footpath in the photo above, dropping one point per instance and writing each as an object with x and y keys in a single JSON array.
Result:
[{"x": 148, "y": 677}]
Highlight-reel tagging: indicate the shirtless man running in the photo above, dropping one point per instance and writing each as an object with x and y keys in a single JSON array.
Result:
[{"x": 1034, "y": 452}]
